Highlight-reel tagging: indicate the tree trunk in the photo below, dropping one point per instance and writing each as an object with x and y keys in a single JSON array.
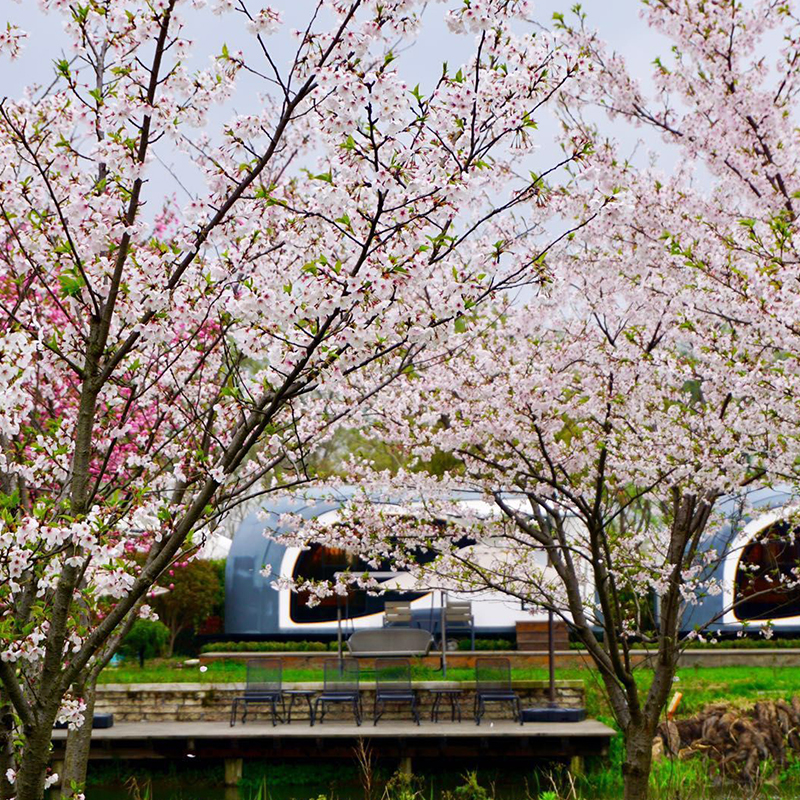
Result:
[
  {"x": 7, "y": 751},
  {"x": 170, "y": 649},
  {"x": 29, "y": 784},
  {"x": 638, "y": 760},
  {"x": 76, "y": 756}
]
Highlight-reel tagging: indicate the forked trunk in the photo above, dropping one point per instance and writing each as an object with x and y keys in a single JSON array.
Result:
[{"x": 638, "y": 761}]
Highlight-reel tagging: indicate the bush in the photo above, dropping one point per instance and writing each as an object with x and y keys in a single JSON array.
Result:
[
  {"x": 147, "y": 638},
  {"x": 268, "y": 647},
  {"x": 753, "y": 642},
  {"x": 487, "y": 644}
]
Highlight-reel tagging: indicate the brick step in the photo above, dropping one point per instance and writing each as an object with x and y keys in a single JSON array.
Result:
[
  {"x": 534, "y": 636},
  {"x": 540, "y": 625}
]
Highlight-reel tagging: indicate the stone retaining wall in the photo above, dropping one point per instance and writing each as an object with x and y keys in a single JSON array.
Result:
[{"x": 211, "y": 702}]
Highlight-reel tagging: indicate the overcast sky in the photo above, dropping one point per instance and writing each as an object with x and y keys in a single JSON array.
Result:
[{"x": 618, "y": 22}]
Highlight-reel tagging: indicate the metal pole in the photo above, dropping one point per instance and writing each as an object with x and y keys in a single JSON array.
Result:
[
  {"x": 339, "y": 630},
  {"x": 444, "y": 634},
  {"x": 551, "y": 657}
]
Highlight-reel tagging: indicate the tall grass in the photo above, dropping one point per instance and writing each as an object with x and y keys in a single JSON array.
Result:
[{"x": 670, "y": 780}]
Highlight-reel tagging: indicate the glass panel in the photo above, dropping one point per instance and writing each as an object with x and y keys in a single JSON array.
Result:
[
  {"x": 321, "y": 564},
  {"x": 767, "y": 575}
]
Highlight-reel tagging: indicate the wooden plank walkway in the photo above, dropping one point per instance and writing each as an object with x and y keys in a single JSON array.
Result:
[
  {"x": 336, "y": 730},
  {"x": 335, "y": 739}
]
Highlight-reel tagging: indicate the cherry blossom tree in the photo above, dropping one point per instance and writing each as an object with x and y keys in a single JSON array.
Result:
[
  {"x": 655, "y": 374},
  {"x": 601, "y": 425},
  {"x": 160, "y": 364}
]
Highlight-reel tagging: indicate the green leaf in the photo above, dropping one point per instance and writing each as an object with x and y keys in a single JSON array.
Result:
[
  {"x": 10, "y": 501},
  {"x": 62, "y": 68},
  {"x": 71, "y": 284}
]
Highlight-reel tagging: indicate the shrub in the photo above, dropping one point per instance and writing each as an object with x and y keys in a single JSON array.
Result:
[
  {"x": 746, "y": 643},
  {"x": 147, "y": 638},
  {"x": 268, "y": 647},
  {"x": 487, "y": 644},
  {"x": 470, "y": 789}
]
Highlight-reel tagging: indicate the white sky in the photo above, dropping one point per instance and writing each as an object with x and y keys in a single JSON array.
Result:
[{"x": 618, "y": 22}]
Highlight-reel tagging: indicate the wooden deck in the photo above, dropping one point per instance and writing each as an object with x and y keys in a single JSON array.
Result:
[{"x": 334, "y": 739}]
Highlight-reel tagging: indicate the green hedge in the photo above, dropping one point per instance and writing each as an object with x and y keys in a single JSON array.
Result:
[
  {"x": 744, "y": 643},
  {"x": 268, "y": 647},
  {"x": 321, "y": 647},
  {"x": 487, "y": 644},
  {"x": 480, "y": 644}
]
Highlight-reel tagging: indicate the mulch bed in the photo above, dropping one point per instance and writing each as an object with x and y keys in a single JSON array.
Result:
[{"x": 738, "y": 740}]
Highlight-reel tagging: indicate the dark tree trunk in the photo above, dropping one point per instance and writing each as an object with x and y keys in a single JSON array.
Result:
[
  {"x": 76, "y": 756},
  {"x": 638, "y": 760},
  {"x": 29, "y": 784},
  {"x": 7, "y": 752},
  {"x": 173, "y": 635}
]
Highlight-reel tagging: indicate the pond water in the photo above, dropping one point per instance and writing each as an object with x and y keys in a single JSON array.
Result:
[{"x": 311, "y": 780}]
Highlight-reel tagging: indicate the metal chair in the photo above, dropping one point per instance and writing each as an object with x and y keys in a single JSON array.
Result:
[
  {"x": 493, "y": 685},
  {"x": 458, "y": 616},
  {"x": 397, "y": 612},
  {"x": 264, "y": 687},
  {"x": 393, "y": 685},
  {"x": 340, "y": 686}
]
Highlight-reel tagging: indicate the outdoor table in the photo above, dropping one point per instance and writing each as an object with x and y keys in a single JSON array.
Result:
[
  {"x": 453, "y": 695},
  {"x": 299, "y": 693}
]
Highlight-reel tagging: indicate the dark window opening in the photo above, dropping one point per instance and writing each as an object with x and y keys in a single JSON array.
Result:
[
  {"x": 766, "y": 585},
  {"x": 321, "y": 564}
]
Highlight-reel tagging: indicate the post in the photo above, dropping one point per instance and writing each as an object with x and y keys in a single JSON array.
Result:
[
  {"x": 405, "y": 766},
  {"x": 339, "y": 631},
  {"x": 576, "y": 766},
  {"x": 551, "y": 657},
  {"x": 444, "y": 633},
  {"x": 233, "y": 771}
]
